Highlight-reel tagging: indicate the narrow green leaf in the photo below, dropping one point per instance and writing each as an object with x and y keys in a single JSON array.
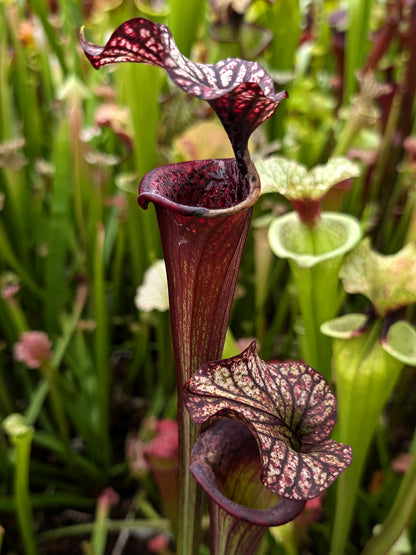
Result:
[
  {"x": 184, "y": 19},
  {"x": 11, "y": 258},
  {"x": 40, "y": 8},
  {"x": 101, "y": 343},
  {"x": 356, "y": 40},
  {"x": 55, "y": 273}
]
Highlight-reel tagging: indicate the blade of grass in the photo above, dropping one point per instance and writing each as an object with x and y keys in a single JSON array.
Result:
[
  {"x": 117, "y": 263},
  {"x": 145, "y": 114},
  {"x": 399, "y": 514},
  {"x": 56, "y": 499},
  {"x": 23, "y": 81},
  {"x": 76, "y": 463},
  {"x": 5, "y": 90},
  {"x": 13, "y": 318},
  {"x": 101, "y": 345},
  {"x": 37, "y": 400},
  {"x": 13, "y": 181},
  {"x": 283, "y": 19},
  {"x": 8, "y": 254},
  {"x": 183, "y": 20},
  {"x": 40, "y": 8},
  {"x": 82, "y": 398},
  {"x": 357, "y": 42},
  {"x": 139, "y": 525},
  {"x": 69, "y": 326},
  {"x": 58, "y": 227},
  {"x": 6, "y": 406}
]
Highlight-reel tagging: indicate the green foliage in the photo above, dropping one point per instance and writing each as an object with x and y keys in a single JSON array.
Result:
[{"x": 74, "y": 246}]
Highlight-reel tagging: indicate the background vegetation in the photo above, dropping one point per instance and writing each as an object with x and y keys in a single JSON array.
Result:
[{"x": 74, "y": 246}]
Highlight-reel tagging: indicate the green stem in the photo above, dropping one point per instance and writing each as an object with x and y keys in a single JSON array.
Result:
[
  {"x": 41, "y": 10},
  {"x": 347, "y": 136},
  {"x": 78, "y": 176},
  {"x": 356, "y": 42},
  {"x": 190, "y": 494},
  {"x": 9, "y": 255},
  {"x": 283, "y": 18},
  {"x": 99, "y": 532},
  {"x": 59, "y": 220},
  {"x": 22, "y": 494},
  {"x": 399, "y": 513},
  {"x": 365, "y": 375},
  {"x": 6, "y": 406},
  {"x": 21, "y": 437},
  {"x": 315, "y": 254},
  {"x": 263, "y": 265},
  {"x": 144, "y": 115},
  {"x": 318, "y": 295},
  {"x": 101, "y": 345},
  {"x": 54, "y": 500},
  {"x": 57, "y": 406},
  {"x": 386, "y": 152},
  {"x": 155, "y": 525},
  {"x": 183, "y": 21}
]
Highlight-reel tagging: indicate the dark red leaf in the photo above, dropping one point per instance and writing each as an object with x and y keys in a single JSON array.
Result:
[
  {"x": 290, "y": 410},
  {"x": 242, "y": 93}
]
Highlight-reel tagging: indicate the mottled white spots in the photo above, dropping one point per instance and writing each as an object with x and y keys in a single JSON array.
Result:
[
  {"x": 271, "y": 399},
  {"x": 226, "y": 77},
  {"x": 241, "y": 74},
  {"x": 169, "y": 62},
  {"x": 144, "y": 33}
]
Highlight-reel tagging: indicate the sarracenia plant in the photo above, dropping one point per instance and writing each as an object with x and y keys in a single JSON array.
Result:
[
  {"x": 282, "y": 417},
  {"x": 314, "y": 242},
  {"x": 21, "y": 437},
  {"x": 369, "y": 354},
  {"x": 203, "y": 210}
]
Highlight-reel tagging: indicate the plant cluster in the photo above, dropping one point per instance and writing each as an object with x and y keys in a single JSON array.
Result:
[{"x": 292, "y": 231}]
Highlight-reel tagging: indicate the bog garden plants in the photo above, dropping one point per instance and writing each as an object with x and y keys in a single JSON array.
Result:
[{"x": 234, "y": 206}]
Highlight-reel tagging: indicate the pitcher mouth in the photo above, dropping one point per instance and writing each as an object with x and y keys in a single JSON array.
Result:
[
  {"x": 208, "y": 188},
  {"x": 210, "y": 468},
  {"x": 242, "y": 95},
  {"x": 345, "y": 226}
]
